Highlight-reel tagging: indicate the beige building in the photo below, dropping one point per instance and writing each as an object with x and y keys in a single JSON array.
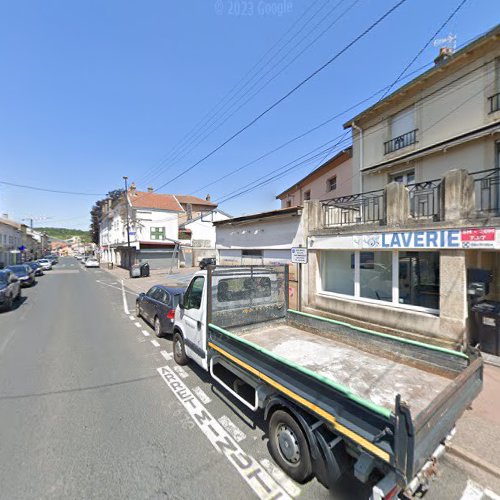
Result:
[
  {"x": 419, "y": 243},
  {"x": 331, "y": 179}
]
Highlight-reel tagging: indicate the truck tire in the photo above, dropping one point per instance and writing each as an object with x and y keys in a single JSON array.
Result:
[
  {"x": 289, "y": 447},
  {"x": 178, "y": 349}
]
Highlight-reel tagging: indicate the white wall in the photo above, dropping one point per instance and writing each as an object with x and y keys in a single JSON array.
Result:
[{"x": 203, "y": 229}]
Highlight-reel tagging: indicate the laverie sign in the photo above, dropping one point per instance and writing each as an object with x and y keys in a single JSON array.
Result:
[{"x": 413, "y": 240}]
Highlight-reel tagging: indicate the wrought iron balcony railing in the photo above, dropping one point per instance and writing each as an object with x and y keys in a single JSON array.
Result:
[
  {"x": 487, "y": 190},
  {"x": 359, "y": 208},
  {"x": 425, "y": 199},
  {"x": 400, "y": 142}
]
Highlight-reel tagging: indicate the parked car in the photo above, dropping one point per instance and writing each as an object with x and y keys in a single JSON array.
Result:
[
  {"x": 157, "y": 307},
  {"x": 45, "y": 263},
  {"x": 53, "y": 258},
  {"x": 25, "y": 274},
  {"x": 36, "y": 266},
  {"x": 91, "y": 262},
  {"x": 207, "y": 261},
  {"x": 10, "y": 289}
]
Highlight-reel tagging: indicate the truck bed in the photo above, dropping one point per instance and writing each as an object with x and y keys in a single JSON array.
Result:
[{"x": 367, "y": 375}]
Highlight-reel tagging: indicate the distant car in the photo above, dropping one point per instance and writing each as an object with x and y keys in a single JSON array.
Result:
[
  {"x": 10, "y": 289},
  {"x": 91, "y": 262},
  {"x": 36, "y": 266},
  {"x": 157, "y": 307},
  {"x": 45, "y": 263},
  {"x": 24, "y": 273},
  {"x": 53, "y": 258},
  {"x": 78, "y": 256},
  {"x": 207, "y": 261}
]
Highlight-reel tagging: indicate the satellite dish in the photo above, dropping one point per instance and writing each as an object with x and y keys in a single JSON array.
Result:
[{"x": 450, "y": 41}]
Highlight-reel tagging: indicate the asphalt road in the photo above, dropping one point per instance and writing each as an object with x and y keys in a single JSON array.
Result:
[{"x": 88, "y": 409}]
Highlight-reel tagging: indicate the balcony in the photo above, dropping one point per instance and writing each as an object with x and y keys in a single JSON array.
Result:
[
  {"x": 425, "y": 199},
  {"x": 487, "y": 191},
  {"x": 494, "y": 101},
  {"x": 360, "y": 208},
  {"x": 400, "y": 142}
]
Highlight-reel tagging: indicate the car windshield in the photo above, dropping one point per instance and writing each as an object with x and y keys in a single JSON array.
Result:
[
  {"x": 18, "y": 269},
  {"x": 43, "y": 261}
]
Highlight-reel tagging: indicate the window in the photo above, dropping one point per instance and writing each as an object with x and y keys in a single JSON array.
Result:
[
  {"x": 194, "y": 293},
  {"x": 403, "y": 122},
  {"x": 307, "y": 195},
  {"x": 398, "y": 277},
  {"x": 419, "y": 279},
  {"x": 339, "y": 272},
  {"x": 404, "y": 177},
  {"x": 289, "y": 203},
  {"x": 331, "y": 184},
  {"x": 375, "y": 275},
  {"x": 157, "y": 233}
]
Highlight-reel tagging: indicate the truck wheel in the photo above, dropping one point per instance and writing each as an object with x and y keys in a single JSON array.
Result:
[
  {"x": 289, "y": 446},
  {"x": 178, "y": 348}
]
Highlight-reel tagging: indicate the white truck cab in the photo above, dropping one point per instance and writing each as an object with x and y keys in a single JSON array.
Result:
[{"x": 190, "y": 328}]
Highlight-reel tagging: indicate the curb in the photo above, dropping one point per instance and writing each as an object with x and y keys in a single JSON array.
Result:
[{"x": 472, "y": 459}]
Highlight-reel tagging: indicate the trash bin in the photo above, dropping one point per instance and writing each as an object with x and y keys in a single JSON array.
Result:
[
  {"x": 135, "y": 271},
  {"x": 145, "y": 270},
  {"x": 110, "y": 265},
  {"x": 488, "y": 323}
]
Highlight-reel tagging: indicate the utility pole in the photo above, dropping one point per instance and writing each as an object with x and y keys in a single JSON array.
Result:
[{"x": 125, "y": 178}]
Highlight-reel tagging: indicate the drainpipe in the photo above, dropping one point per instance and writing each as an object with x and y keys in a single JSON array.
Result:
[{"x": 360, "y": 130}]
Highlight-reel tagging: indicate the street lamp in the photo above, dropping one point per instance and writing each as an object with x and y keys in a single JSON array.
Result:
[{"x": 125, "y": 178}]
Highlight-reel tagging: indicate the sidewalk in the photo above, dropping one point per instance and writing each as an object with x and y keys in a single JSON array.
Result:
[
  {"x": 178, "y": 278},
  {"x": 477, "y": 440}
]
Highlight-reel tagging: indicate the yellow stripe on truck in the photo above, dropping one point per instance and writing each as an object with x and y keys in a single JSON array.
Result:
[{"x": 375, "y": 450}]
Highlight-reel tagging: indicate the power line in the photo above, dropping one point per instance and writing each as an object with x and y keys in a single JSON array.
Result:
[
  {"x": 229, "y": 95},
  {"x": 290, "y": 92},
  {"x": 36, "y": 188},
  {"x": 230, "y": 112}
]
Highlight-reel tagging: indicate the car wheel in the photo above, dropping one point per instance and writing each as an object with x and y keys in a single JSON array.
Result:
[
  {"x": 137, "y": 309},
  {"x": 157, "y": 325},
  {"x": 289, "y": 447},
  {"x": 178, "y": 349}
]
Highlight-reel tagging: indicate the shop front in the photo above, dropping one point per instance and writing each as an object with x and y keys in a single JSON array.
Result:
[{"x": 414, "y": 282}]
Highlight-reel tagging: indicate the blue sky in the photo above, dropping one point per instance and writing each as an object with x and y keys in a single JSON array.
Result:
[{"x": 92, "y": 90}]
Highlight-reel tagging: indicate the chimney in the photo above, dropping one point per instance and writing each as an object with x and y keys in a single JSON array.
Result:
[
  {"x": 150, "y": 189},
  {"x": 444, "y": 54},
  {"x": 208, "y": 197},
  {"x": 132, "y": 188}
]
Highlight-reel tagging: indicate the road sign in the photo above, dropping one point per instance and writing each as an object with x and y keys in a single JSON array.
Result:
[{"x": 299, "y": 255}]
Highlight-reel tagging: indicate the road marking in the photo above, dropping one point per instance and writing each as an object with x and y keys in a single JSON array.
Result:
[
  {"x": 155, "y": 343},
  {"x": 166, "y": 355},
  {"x": 474, "y": 491},
  {"x": 125, "y": 306},
  {"x": 281, "y": 478},
  {"x": 137, "y": 324},
  {"x": 115, "y": 287},
  {"x": 180, "y": 371},
  {"x": 201, "y": 395},
  {"x": 132, "y": 318},
  {"x": 237, "y": 434},
  {"x": 249, "y": 469},
  {"x": 145, "y": 333}
]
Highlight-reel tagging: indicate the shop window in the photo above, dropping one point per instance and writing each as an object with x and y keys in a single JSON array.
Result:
[
  {"x": 419, "y": 279},
  {"x": 375, "y": 275},
  {"x": 338, "y": 269}
]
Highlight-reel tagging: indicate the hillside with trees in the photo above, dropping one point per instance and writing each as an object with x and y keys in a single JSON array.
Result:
[{"x": 63, "y": 233}]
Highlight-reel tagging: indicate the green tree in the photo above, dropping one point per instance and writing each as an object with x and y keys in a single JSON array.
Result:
[{"x": 96, "y": 212}]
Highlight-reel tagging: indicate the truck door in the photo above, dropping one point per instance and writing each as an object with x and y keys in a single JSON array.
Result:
[{"x": 194, "y": 322}]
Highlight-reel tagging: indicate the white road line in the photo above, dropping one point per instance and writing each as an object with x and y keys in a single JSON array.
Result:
[
  {"x": 180, "y": 371},
  {"x": 145, "y": 333},
  {"x": 262, "y": 483},
  {"x": 166, "y": 355},
  {"x": 491, "y": 494},
  {"x": 201, "y": 395},
  {"x": 132, "y": 318},
  {"x": 137, "y": 324},
  {"x": 155, "y": 343},
  {"x": 125, "y": 306},
  {"x": 472, "y": 491},
  {"x": 115, "y": 287},
  {"x": 237, "y": 434},
  {"x": 281, "y": 478}
]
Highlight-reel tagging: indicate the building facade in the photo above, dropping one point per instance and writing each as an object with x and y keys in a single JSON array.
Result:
[
  {"x": 402, "y": 253},
  {"x": 332, "y": 178}
]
